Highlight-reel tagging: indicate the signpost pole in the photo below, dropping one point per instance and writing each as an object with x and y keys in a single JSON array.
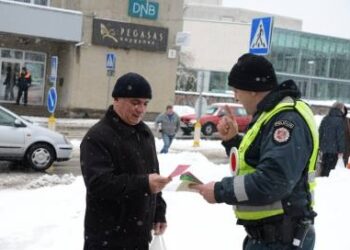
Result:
[
  {"x": 52, "y": 94},
  {"x": 108, "y": 88},
  {"x": 51, "y": 106},
  {"x": 197, "y": 126}
]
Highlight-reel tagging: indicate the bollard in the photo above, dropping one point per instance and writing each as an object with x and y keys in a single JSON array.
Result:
[
  {"x": 197, "y": 134},
  {"x": 52, "y": 122}
]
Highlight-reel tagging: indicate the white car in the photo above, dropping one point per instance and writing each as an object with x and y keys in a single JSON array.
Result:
[{"x": 35, "y": 146}]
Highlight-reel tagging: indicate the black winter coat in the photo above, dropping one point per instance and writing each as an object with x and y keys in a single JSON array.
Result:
[
  {"x": 332, "y": 132},
  {"x": 116, "y": 159}
]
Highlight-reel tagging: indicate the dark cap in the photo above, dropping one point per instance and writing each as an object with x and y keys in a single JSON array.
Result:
[
  {"x": 132, "y": 85},
  {"x": 252, "y": 72}
]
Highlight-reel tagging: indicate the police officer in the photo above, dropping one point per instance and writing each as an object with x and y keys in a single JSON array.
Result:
[{"x": 273, "y": 178}]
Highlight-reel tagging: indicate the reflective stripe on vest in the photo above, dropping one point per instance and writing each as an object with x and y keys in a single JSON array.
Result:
[{"x": 246, "y": 212}]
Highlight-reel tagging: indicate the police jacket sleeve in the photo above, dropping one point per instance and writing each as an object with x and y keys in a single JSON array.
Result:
[
  {"x": 280, "y": 164},
  {"x": 234, "y": 142},
  {"x": 99, "y": 175}
]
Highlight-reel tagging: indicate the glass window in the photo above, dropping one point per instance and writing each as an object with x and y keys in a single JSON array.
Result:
[
  {"x": 38, "y": 2},
  {"x": 289, "y": 40},
  {"x": 296, "y": 41},
  {"x": 241, "y": 112},
  {"x": 282, "y": 39},
  {"x": 6, "y": 119},
  {"x": 32, "y": 56},
  {"x": 211, "y": 110},
  {"x": 6, "y": 53},
  {"x": 311, "y": 45},
  {"x": 218, "y": 81},
  {"x": 304, "y": 42},
  {"x": 41, "y": 2}
]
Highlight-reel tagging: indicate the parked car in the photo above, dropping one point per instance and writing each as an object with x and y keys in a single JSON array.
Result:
[
  {"x": 37, "y": 147},
  {"x": 212, "y": 116},
  {"x": 181, "y": 110}
]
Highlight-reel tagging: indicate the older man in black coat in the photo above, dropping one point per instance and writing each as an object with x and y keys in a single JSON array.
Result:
[{"x": 121, "y": 173}]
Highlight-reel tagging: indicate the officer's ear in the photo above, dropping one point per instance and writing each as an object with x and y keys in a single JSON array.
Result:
[{"x": 253, "y": 93}]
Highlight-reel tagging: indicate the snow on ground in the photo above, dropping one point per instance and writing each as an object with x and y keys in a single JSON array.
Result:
[{"x": 48, "y": 216}]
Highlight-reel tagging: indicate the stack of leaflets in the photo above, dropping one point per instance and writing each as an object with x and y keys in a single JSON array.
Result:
[{"x": 188, "y": 178}]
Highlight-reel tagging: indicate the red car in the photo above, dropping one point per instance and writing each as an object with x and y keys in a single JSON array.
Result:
[{"x": 211, "y": 118}]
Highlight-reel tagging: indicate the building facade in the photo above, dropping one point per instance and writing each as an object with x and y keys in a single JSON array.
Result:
[
  {"x": 82, "y": 35},
  {"x": 219, "y": 35}
]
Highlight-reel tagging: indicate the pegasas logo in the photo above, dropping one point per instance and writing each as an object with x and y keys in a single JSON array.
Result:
[{"x": 131, "y": 35}]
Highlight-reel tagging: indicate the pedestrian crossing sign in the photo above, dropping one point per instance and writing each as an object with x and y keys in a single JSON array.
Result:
[
  {"x": 110, "y": 61},
  {"x": 260, "y": 35}
]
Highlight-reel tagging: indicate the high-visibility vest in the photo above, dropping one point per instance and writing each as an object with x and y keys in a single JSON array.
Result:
[{"x": 246, "y": 212}]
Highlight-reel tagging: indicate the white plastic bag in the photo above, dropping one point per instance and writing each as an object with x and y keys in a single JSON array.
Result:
[
  {"x": 340, "y": 163},
  {"x": 157, "y": 243}
]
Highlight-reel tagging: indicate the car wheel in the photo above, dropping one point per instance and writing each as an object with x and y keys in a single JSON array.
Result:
[
  {"x": 208, "y": 129},
  {"x": 40, "y": 156}
]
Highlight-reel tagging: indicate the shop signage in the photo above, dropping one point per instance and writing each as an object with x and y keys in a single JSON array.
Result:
[
  {"x": 143, "y": 9},
  {"x": 129, "y": 35}
]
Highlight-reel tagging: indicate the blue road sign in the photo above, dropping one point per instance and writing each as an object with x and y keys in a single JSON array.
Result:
[
  {"x": 260, "y": 35},
  {"x": 110, "y": 61},
  {"x": 51, "y": 100}
]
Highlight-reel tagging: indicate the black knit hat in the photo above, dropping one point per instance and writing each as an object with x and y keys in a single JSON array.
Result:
[
  {"x": 252, "y": 72},
  {"x": 132, "y": 85}
]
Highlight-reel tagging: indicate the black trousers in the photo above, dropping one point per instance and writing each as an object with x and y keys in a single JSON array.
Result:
[
  {"x": 328, "y": 163},
  {"x": 23, "y": 90},
  {"x": 309, "y": 243}
]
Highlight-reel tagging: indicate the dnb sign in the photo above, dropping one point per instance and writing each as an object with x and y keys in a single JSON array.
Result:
[{"x": 143, "y": 9}]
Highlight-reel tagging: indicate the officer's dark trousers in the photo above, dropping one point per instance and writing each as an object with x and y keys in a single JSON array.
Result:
[
  {"x": 23, "y": 90},
  {"x": 309, "y": 243},
  {"x": 328, "y": 163}
]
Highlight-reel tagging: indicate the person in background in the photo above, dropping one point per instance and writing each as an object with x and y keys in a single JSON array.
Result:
[
  {"x": 24, "y": 81},
  {"x": 332, "y": 137},
  {"x": 121, "y": 173},
  {"x": 169, "y": 123},
  {"x": 273, "y": 177},
  {"x": 346, "y": 137},
  {"x": 9, "y": 83}
]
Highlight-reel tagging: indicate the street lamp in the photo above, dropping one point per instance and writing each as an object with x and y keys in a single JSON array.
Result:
[{"x": 311, "y": 63}]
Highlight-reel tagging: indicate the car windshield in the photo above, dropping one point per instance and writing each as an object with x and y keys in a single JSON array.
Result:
[{"x": 211, "y": 110}]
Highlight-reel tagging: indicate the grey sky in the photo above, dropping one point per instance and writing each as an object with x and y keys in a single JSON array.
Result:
[{"x": 326, "y": 17}]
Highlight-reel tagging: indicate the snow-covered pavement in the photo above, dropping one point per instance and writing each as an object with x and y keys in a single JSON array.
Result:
[{"x": 48, "y": 213}]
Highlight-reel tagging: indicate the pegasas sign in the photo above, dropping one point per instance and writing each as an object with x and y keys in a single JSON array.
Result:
[{"x": 129, "y": 35}]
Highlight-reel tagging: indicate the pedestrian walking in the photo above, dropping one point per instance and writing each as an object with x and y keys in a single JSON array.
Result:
[
  {"x": 121, "y": 173},
  {"x": 332, "y": 137},
  {"x": 168, "y": 124},
  {"x": 273, "y": 164}
]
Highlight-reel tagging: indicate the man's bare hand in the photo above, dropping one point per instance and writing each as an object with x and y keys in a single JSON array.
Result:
[
  {"x": 159, "y": 228},
  {"x": 206, "y": 190},
  {"x": 157, "y": 182},
  {"x": 227, "y": 126}
]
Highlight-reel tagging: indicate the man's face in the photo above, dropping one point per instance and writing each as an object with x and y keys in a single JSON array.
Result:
[
  {"x": 246, "y": 98},
  {"x": 131, "y": 110},
  {"x": 169, "y": 111}
]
